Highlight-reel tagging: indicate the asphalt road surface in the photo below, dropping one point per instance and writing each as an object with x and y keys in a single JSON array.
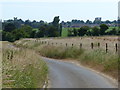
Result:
[{"x": 68, "y": 75}]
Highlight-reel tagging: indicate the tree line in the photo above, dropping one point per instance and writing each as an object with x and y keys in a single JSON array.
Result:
[
  {"x": 16, "y": 29},
  {"x": 103, "y": 29},
  {"x": 11, "y": 32}
]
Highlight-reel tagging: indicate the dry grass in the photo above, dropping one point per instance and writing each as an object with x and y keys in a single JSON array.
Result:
[
  {"x": 22, "y": 68},
  {"x": 97, "y": 58},
  {"x": 86, "y": 42}
]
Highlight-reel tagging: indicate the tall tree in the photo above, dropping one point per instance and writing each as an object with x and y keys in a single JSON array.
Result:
[
  {"x": 52, "y": 31},
  {"x": 9, "y": 27},
  {"x": 95, "y": 31},
  {"x": 42, "y": 31},
  {"x": 56, "y": 21},
  {"x": 56, "y": 24},
  {"x": 60, "y": 29},
  {"x": 83, "y": 30},
  {"x": 103, "y": 28},
  {"x": 75, "y": 32}
]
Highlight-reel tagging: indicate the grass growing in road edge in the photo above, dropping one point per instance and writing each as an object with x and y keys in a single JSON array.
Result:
[
  {"x": 97, "y": 59},
  {"x": 23, "y": 68}
]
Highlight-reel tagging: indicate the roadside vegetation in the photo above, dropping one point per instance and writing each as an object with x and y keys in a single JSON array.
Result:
[
  {"x": 97, "y": 59},
  {"x": 22, "y": 68}
]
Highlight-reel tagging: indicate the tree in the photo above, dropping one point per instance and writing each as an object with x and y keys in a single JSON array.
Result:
[
  {"x": 23, "y": 32},
  {"x": 95, "y": 31},
  {"x": 9, "y": 27},
  {"x": 83, "y": 30},
  {"x": 41, "y": 31},
  {"x": 56, "y": 24},
  {"x": 118, "y": 31},
  {"x": 88, "y": 22},
  {"x": 56, "y": 21},
  {"x": 89, "y": 32},
  {"x": 27, "y": 29},
  {"x": 111, "y": 31},
  {"x": 52, "y": 31},
  {"x": 60, "y": 29},
  {"x": 75, "y": 32},
  {"x": 7, "y": 36},
  {"x": 103, "y": 28},
  {"x": 33, "y": 33},
  {"x": 28, "y": 22}
]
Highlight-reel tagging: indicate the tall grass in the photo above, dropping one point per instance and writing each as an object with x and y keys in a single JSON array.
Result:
[
  {"x": 59, "y": 52},
  {"x": 23, "y": 68},
  {"x": 97, "y": 59}
]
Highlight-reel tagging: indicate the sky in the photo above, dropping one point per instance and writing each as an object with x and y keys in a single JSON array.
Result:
[{"x": 67, "y": 9}]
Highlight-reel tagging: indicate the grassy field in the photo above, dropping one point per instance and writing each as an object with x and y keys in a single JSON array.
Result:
[
  {"x": 22, "y": 68},
  {"x": 64, "y": 32},
  {"x": 86, "y": 42},
  {"x": 96, "y": 59},
  {"x": 35, "y": 29}
]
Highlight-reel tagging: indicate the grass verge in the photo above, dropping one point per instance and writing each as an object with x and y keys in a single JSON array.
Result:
[
  {"x": 97, "y": 59},
  {"x": 22, "y": 68}
]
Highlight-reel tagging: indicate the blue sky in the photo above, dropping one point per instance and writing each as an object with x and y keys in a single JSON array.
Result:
[{"x": 41, "y": 10}]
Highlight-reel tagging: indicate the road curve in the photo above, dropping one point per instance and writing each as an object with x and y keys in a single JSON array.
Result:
[{"x": 68, "y": 75}]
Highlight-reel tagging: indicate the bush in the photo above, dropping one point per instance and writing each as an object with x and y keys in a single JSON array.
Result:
[{"x": 83, "y": 30}]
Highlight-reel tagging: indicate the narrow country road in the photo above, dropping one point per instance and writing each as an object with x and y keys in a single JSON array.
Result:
[{"x": 68, "y": 75}]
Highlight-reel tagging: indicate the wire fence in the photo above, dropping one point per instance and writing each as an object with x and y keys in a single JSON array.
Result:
[{"x": 92, "y": 45}]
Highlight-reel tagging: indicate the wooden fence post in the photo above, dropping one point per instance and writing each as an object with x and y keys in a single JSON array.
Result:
[
  {"x": 66, "y": 44},
  {"x": 11, "y": 55},
  {"x": 8, "y": 55},
  {"x": 72, "y": 45},
  {"x": 80, "y": 45},
  {"x": 92, "y": 45},
  {"x": 116, "y": 47},
  {"x": 98, "y": 45},
  {"x": 106, "y": 48}
]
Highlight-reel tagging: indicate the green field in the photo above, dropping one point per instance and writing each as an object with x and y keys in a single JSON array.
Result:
[
  {"x": 64, "y": 32},
  {"x": 35, "y": 29}
]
